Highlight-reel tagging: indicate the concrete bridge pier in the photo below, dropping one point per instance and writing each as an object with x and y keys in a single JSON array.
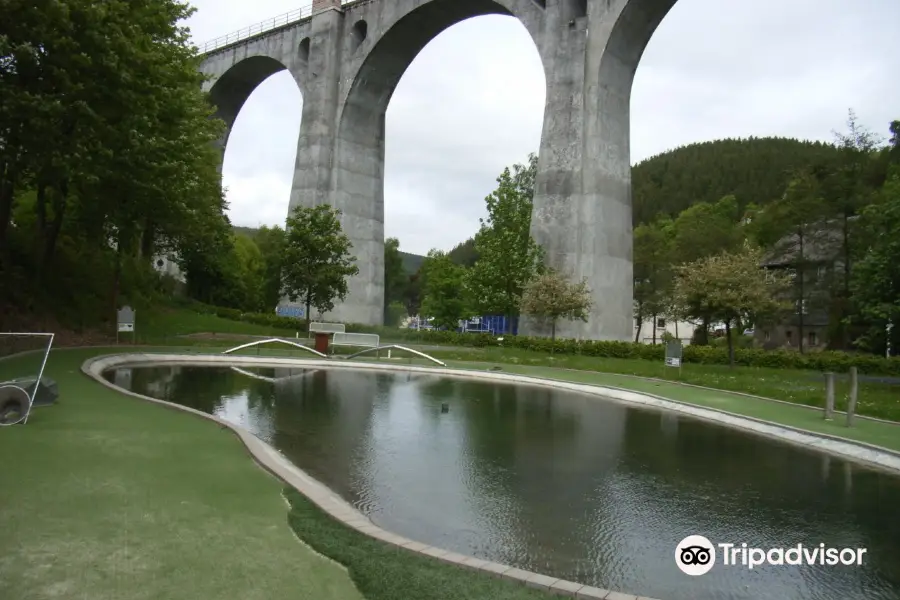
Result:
[{"x": 348, "y": 59}]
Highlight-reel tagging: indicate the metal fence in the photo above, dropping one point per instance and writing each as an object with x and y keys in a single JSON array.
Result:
[{"x": 234, "y": 37}]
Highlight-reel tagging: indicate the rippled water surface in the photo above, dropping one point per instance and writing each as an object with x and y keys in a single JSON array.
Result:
[{"x": 560, "y": 483}]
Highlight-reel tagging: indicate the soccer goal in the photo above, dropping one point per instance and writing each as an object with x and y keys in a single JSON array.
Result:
[{"x": 23, "y": 357}]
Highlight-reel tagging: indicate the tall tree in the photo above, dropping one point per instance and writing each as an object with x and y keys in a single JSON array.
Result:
[
  {"x": 317, "y": 259},
  {"x": 849, "y": 185},
  {"x": 251, "y": 272},
  {"x": 703, "y": 230},
  {"x": 395, "y": 278},
  {"x": 103, "y": 116},
  {"x": 508, "y": 257},
  {"x": 796, "y": 229},
  {"x": 550, "y": 296},
  {"x": 876, "y": 276},
  {"x": 444, "y": 290},
  {"x": 731, "y": 286},
  {"x": 652, "y": 272},
  {"x": 270, "y": 241}
]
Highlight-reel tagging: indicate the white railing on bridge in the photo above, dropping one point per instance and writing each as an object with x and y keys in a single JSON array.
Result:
[{"x": 234, "y": 37}]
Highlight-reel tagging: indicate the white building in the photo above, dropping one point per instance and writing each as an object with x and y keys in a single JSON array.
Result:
[
  {"x": 682, "y": 330},
  {"x": 167, "y": 266}
]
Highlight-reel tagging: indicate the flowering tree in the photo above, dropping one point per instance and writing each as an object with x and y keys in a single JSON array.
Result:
[
  {"x": 729, "y": 286},
  {"x": 551, "y": 296}
]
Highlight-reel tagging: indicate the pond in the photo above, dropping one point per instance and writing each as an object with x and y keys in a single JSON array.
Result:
[{"x": 557, "y": 482}]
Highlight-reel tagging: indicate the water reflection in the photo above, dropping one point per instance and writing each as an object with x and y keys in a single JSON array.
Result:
[{"x": 560, "y": 483}]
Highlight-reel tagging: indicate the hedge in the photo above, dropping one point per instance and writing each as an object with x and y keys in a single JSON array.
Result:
[{"x": 838, "y": 362}]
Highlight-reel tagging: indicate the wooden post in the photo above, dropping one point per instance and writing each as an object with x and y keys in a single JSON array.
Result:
[
  {"x": 829, "y": 396},
  {"x": 854, "y": 391}
]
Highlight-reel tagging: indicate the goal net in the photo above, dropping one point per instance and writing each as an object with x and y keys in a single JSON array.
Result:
[{"x": 23, "y": 357}]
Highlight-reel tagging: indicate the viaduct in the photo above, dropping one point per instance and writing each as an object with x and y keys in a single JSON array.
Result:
[{"x": 347, "y": 59}]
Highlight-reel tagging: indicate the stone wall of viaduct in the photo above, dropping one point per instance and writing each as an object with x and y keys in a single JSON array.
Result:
[{"x": 347, "y": 61}]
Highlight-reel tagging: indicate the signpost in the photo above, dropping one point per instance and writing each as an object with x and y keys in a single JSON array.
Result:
[
  {"x": 125, "y": 321},
  {"x": 674, "y": 352}
]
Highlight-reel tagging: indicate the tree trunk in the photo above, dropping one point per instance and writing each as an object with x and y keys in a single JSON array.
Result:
[
  {"x": 703, "y": 338},
  {"x": 730, "y": 342},
  {"x": 7, "y": 190},
  {"x": 117, "y": 274},
  {"x": 148, "y": 240},
  {"x": 40, "y": 208},
  {"x": 59, "y": 209},
  {"x": 801, "y": 264},
  {"x": 639, "y": 322},
  {"x": 552, "y": 335},
  {"x": 653, "y": 325},
  {"x": 308, "y": 315}
]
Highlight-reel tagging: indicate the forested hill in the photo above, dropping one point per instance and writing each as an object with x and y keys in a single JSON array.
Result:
[{"x": 753, "y": 169}]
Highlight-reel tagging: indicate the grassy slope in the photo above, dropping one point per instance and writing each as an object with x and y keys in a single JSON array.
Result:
[
  {"x": 385, "y": 572},
  {"x": 875, "y": 399},
  {"x": 872, "y": 432},
  {"x": 108, "y": 497}
]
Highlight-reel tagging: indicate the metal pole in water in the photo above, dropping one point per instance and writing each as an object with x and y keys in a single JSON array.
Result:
[
  {"x": 829, "y": 396},
  {"x": 854, "y": 391}
]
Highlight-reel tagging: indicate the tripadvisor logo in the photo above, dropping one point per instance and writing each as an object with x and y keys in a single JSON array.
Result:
[{"x": 696, "y": 555}]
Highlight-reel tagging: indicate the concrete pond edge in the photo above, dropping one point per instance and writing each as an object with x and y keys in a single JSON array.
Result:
[{"x": 274, "y": 462}]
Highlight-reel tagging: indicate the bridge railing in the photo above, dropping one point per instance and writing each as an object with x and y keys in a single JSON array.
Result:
[{"x": 234, "y": 37}]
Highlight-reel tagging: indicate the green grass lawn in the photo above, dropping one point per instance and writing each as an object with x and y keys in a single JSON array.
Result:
[
  {"x": 871, "y": 432},
  {"x": 104, "y": 496},
  {"x": 386, "y": 572},
  {"x": 879, "y": 400}
]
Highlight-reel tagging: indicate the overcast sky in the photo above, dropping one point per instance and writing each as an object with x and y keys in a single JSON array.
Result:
[{"x": 472, "y": 102}]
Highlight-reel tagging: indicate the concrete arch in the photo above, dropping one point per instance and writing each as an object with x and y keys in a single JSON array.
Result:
[
  {"x": 230, "y": 89},
  {"x": 395, "y": 38},
  {"x": 633, "y": 23}
]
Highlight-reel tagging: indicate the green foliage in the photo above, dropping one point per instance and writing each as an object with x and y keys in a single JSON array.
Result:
[
  {"x": 106, "y": 140},
  {"x": 876, "y": 278},
  {"x": 652, "y": 270},
  {"x": 508, "y": 257},
  {"x": 705, "y": 229},
  {"x": 251, "y": 272},
  {"x": 465, "y": 254},
  {"x": 838, "y": 362},
  {"x": 728, "y": 287},
  {"x": 317, "y": 259},
  {"x": 551, "y": 296},
  {"x": 271, "y": 241},
  {"x": 444, "y": 293},
  {"x": 395, "y": 277},
  {"x": 394, "y": 314},
  {"x": 753, "y": 170}
]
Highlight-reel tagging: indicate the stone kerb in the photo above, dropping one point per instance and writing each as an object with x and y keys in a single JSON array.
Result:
[{"x": 326, "y": 499}]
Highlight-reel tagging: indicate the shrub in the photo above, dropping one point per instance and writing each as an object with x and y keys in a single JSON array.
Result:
[{"x": 838, "y": 362}]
